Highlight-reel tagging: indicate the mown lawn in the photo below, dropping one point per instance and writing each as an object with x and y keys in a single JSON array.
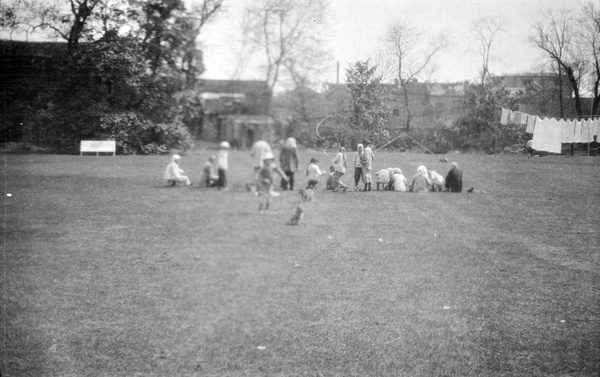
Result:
[{"x": 107, "y": 272}]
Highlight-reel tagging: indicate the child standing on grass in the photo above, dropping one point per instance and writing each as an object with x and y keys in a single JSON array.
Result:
[
  {"x": 258, "y": 152},
  {"x": 358, "y": 158},
  {"x": 223, "y": 165},
  {"x": 175, "y": 175},
  {"x": 367, "y": 165},
  {"x": 265, "y": 181},
  {"x": 313, "y": 173}
]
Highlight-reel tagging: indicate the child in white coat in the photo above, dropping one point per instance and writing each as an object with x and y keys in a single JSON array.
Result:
[
  {"x": 175, "y": 175},
  {"x": 313, "y": 173}
]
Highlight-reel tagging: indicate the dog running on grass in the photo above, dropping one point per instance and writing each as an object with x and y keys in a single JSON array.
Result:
[
  {"x": 253, "y": 188},
  {"x": 307, "y": 195}
]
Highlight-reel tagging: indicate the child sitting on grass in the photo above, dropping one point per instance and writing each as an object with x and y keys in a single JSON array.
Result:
[{"x": 265, "y": 181}]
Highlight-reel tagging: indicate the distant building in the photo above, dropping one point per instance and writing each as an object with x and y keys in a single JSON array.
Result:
[
  {"x": 429, "y": 103},
  {"x": 529, "y": 81},
  {"x": 447, "y": 101},
  {"x": 236, "y": 110},
  {"x": 540, "y": 93}
]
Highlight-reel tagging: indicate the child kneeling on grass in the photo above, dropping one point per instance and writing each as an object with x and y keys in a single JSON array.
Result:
[
  {"x": 265, "y": 181},
  {"x": 313, "y": 173},
  {"x": 173, "y": 174}
]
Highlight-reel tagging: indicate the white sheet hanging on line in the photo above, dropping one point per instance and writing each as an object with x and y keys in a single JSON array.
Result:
[
  {"x": 577, "y": 131},
  {"x": 515, "y": 117},
  {"x": 504, "y": 116},
  {"x": 547, "y": 136},
  {"x": 562, "y": 124},
  {"x": 586, "y": 131},
  {"x": 595, "y": 127},
  {"x": 531, "y": 123},
  {"x": 568, "y": 131}
]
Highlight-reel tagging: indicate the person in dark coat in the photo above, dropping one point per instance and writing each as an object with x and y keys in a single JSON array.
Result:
[{"x": 454, "y": 179}]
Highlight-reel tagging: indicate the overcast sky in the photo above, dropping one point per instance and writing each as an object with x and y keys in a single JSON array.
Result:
[{"x": 356, "y": 29}]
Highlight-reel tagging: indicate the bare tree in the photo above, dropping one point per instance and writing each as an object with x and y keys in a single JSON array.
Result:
[
  {"x": 288, "y": 32},
  {"x": 66, "y": 21},
  {"x": 590, "y": 41},
  {"x": 556, "y": 36},
  {"x": 411, "y": 58},
  {"x": 485, "y": 30}
]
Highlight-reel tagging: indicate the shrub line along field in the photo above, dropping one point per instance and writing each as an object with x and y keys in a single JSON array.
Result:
[{"x": 108, "y": 272}]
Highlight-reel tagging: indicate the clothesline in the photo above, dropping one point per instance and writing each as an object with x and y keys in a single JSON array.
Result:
[
  {"x": 588, "y": 116},
  {"x": 550, "y": 133}
]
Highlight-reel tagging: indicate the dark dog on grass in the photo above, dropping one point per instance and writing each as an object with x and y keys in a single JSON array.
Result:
[{"x": 298, "y": 215}]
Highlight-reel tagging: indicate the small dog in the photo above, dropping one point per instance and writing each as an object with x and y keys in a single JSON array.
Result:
[
  {"x": 473, "y": 190},
  {"x": 445, "y": 159},
  {"x": 306, "y": 194},
  {"x": 252, "y": 187},
  {"x": 298, "y": 215}
]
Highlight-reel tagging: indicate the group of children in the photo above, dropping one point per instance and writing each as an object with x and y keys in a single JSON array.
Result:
[{"x": 215, "y": 173}]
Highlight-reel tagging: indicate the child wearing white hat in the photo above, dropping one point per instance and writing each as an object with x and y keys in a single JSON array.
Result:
[
  {"x": 175, "y": 175},
  {"x": 223, "y": 165}
]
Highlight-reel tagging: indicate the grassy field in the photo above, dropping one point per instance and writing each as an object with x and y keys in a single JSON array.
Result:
[{"x": 107, "y": 272}]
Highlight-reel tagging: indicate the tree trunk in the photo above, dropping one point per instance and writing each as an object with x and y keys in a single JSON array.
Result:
[
  {"x": 575, "y": 87},
  {"x": 560, "y": 92},
  {"x": 406, "y": 109},
  {"x": 595, "y": 104}
]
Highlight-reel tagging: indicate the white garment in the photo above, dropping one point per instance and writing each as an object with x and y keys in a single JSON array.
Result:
[
  {"x": 523, "y": 121},
  {"x": 436, "y": 179},
  {"x": 174, "y": 173},
  {"x": 568, "y": 131},
  {"x": 382, "y": 176},
  {"x": 339, "y": 163},
  {"x": 577, "y": 131},
  {"x": 370, "y": 157},
  {"x": 586, "y": 131},
  {"x": 596, "y": 128},
  {"x": 547, "y": 136},
  {"x": 530, "y": 124},
  {"x": 222, "y": 159},
  {"x": 504, "y": 116},
  {"x": 400, "y": 182},
  {"x": 516, "y": 117},
  {"x": 259, "y": 149},
  {"x": 313, "y": 172}
]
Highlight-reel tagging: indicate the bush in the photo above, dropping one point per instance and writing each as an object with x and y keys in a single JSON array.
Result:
[{"x": 135, "y": 134}]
